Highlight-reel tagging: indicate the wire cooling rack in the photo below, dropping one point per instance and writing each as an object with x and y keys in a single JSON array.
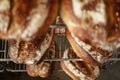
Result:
[{"x": 62, "y": 44}]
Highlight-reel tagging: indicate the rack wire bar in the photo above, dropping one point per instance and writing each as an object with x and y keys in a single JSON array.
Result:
[
  {"x": 114, "y": 59},
  {"x": 10, "y": 70},
  {"x": 58, "y": 26},
  {"x": 75, "y": 59},
  {"x": 63, "y": 59},
  {"x": 2, "y": 51},
  {"x": 5, "y": 60},
  {"x": 16, "y": 68}
]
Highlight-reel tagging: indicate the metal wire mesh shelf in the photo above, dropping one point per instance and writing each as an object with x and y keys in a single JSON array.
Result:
[{"x": 62, "y": 44}]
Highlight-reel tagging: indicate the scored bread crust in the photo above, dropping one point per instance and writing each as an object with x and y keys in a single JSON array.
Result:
[
  {"x": 26, "y": 20},
  {"x": 88, "y": 53},
  {"x": 76, "y": 73},
  {"x": 80, "y": 65},
  {"x": 20, "y": 50},
  {"x": 53, "y": 11},
  {"x": 30, "y": 52},
  {"x": 88, "y": 20},
  {"x": 80, "y": 52},
  {"x": 45, "y": 68}
]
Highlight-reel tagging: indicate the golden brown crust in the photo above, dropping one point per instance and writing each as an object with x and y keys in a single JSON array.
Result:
[
  {"x": 80, "y": 52},
  {"x": 20, "y": 12},
  {"x": 23, "y": 14},
  {"x": 53, "y": 10},
  {"x": 67, "y": 10},
  {"x": 73, "y": 23}
]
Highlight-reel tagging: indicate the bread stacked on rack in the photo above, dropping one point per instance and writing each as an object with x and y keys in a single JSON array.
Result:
[
  {"x": 78, "y": 70},
  {"x": 85, "y": 51},
  {"x": 95, "y": 22},
  {"x": 93, "y": 31},
  {"x": 26, "y": 20},
  {"x": 26, "y": 26},
  {"x": 90, "y": 25},
  {"x": 44, "y": 68},
  {"x": 30, "y": 52}
]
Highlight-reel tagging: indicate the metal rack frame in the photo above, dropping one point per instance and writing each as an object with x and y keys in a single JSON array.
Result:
[{"x": 62, "y": 44}]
